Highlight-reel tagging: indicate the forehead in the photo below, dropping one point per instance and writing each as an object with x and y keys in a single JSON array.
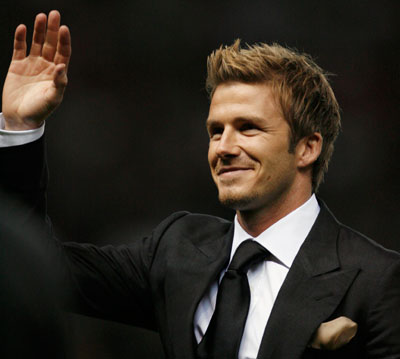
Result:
[{"x": 237, "y": 99}]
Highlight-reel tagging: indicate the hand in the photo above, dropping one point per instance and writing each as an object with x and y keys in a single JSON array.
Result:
[{"x": 35, "y": 84}]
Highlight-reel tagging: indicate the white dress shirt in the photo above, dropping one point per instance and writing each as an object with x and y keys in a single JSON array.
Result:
[
  {"x": 283, "y": 240},
  {"x": 15, "y": 138}
]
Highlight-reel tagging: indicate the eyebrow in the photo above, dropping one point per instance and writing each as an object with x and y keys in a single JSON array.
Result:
[
  {"x": 255, "y": 119},
  {"x": 210, "y": 122}
]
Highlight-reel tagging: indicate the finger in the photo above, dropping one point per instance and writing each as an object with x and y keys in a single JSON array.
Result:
[
  {"x": 63, "y": 53},
  {"x": 39, "y": 31},
  {"x": 19, "y": 52},
  {"x": 50, "y": 44}
]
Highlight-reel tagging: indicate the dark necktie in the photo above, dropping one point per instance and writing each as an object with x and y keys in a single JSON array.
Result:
[{"x": 223, "y": 335}]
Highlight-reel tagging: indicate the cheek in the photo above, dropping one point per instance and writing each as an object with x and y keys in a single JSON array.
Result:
[
  {"x": 275, "y": 160},
  {"x": 211, "y": 156},
  {"x": 285, "y": 168}
]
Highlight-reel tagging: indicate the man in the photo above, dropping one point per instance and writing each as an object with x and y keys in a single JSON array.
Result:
[{"x": 285, "y": 280}]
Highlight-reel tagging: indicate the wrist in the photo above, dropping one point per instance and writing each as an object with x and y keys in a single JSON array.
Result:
[{"x": 12, "y": 124}]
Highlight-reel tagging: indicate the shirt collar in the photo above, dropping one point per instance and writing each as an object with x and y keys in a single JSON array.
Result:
[{"x": 284, "y": 238}]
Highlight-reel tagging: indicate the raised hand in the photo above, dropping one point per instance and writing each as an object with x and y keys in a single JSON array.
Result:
[{"x": 35, "y": 84}]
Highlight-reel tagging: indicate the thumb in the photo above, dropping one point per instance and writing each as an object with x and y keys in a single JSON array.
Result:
[{"x": 60, "y": 76}]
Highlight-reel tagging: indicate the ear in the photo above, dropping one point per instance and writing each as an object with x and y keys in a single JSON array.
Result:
[{"x": 308, "y": 149}]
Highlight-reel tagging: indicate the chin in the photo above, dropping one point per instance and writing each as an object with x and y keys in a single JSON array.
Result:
[{"x": 236, "y": 201}]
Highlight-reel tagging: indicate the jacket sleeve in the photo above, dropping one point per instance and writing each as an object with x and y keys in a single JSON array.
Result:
[
  {"x": 23, "y": 180},
  {"x": 107, "y": 282},
  {"x": 113, "y": 282}
]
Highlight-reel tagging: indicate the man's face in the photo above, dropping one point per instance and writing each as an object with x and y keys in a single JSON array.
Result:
[{"x": 249, "y": 147}]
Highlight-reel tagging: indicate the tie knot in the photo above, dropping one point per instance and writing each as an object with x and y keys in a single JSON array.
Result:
[{"x": 247, "y": 254}]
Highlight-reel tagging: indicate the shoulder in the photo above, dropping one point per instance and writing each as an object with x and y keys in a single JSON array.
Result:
[
  {"x": 184, "y": 239},
  {"x": 186, "y": 223},
  {"x": 352, "y": 249},
  {"x": 356, "y": 249}
]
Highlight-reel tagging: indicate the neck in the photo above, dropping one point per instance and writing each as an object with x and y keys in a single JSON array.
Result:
[{"x": 256, "y": 221}]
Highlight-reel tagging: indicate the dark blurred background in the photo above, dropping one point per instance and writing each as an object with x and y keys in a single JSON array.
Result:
[{"x": 128, "y": 145}]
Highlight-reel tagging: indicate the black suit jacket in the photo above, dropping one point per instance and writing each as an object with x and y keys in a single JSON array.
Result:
[{"x": 157, "y": 282}]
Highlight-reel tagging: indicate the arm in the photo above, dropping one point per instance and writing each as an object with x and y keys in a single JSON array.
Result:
[{"x": 109, "y": 282}]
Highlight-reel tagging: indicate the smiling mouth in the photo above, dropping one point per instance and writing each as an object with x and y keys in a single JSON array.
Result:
[{"x": 232, "y": 170}]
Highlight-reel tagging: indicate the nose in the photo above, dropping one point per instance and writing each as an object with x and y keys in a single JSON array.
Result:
[{"x": 228, "y": 144}]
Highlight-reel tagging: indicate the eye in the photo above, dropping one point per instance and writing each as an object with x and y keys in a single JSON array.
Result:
[
  {"x": 215, "y": 132},
  {"x": 248, "y": 128}
]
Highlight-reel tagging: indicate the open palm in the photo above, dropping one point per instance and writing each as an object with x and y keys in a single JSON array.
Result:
[{"x": 35, "y": 84}]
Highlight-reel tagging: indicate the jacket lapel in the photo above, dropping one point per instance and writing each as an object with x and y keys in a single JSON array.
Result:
[
  {"x": 186, "y": 285},
  {"x": 310, "y": 293}
]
